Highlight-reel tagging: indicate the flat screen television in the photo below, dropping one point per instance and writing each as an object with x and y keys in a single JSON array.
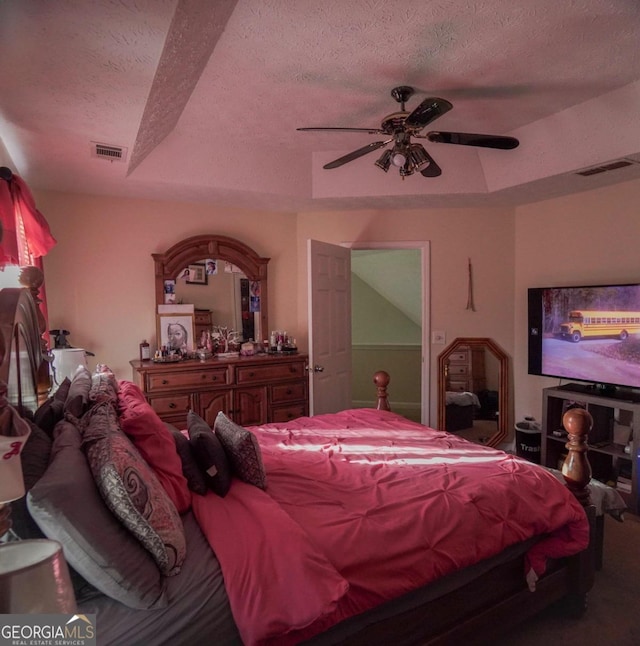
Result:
[{"x": 588, "y": 333}]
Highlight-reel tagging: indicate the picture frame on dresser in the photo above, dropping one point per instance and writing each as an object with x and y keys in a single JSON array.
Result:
[{"x": 172, "y": 326}]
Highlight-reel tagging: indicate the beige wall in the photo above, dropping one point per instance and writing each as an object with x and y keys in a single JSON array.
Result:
[
  {"x": 100, "y": 275},
  {"x": 587, "y": 238}
]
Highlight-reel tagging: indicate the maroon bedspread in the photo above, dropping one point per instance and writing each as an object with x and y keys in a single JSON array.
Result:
[{"x": 363, "y": 506}]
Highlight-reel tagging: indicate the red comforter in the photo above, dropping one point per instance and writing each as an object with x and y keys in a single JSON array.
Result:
[{"x": 363, "y": 506}]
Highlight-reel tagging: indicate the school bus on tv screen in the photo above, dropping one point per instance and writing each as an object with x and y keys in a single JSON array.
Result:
[{"x": 582, "y": 324}]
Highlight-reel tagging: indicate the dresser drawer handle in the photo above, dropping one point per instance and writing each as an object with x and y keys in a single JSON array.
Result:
[
  {"x": 289, "y": 391},
  {"x": 172, "y": 405},
  {"x": 165, "y": 382},
  {"x": 252, "y": 374}
]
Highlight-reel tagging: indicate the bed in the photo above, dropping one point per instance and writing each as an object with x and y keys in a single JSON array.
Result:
[
  {"x": 359, "y": 527},
  {"x": 461, "y": 410}
]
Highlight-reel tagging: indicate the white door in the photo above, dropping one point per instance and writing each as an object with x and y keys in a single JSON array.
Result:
[{"x": 329, "y": 280}]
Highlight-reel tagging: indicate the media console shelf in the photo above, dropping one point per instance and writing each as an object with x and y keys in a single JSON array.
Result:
[{"x": 614, "y": 420}]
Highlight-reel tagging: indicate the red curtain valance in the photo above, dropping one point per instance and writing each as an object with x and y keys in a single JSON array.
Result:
[{"x": 22, "y": 223}]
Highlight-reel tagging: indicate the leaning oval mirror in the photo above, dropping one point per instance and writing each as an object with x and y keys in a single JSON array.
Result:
[
  {"x": 473, "y": 390},
  {"x": 223, "y": 278}
]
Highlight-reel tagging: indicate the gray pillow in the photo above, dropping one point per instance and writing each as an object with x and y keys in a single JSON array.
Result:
[
  {"x": 77, "y": 399},
  {"x": 68, "y": 507}
]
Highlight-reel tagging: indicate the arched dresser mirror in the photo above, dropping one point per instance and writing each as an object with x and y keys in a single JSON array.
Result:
[
  {"x": 235, "y": 294},
  {"x": 473, "y": 390}
]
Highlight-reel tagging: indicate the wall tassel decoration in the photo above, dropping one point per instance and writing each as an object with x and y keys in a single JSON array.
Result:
[{"x": 470, "y": 305}]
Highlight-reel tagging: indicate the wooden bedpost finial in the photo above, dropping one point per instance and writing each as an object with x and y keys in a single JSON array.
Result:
[
  {"x": 381, "y": 379},
  {"x": 576, "y": 468}
]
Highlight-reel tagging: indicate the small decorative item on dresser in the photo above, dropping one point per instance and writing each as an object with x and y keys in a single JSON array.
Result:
[{"x": 145, "y": 351}]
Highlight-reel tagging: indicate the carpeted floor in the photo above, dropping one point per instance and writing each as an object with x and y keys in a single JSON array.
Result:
[{"x": 613, "y": 615}]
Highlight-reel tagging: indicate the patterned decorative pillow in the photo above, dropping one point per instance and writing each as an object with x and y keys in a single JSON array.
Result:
[
  {"x": 104, "y": 386},
  {"x": 95, "y": 543},
  {"x": 131, "y": 489},
  {"x": 243, "y": 450},
  {"x": 190, "y": 468},
  {"x": 156, "y": 445},
  {"x": 209, "y": 454}
]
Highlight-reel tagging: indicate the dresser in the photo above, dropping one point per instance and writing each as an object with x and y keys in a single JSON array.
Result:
[
  {"x": 249, "y": 390},
  {"x": 466, "y": 370}
]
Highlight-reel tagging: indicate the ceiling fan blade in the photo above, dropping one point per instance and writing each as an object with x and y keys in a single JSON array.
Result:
[
  {"x": 470, "y": 139},
  {"x": 429, "y": 110},
  {"x": 371, "y": 131},
  {"x": 356, "y": 153}
]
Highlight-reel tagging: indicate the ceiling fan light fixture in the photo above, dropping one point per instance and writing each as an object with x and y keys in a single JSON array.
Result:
[
  {"x": 398, "y": 158},
  {"x": 418, "y": 157},
  {"x": 384, "y": 161}
]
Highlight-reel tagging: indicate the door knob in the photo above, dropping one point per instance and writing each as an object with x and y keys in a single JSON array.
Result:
[{"x": 318, "y": 368}]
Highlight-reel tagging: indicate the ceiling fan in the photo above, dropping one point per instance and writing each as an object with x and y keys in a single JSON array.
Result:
[{"x": 401, "y": 126}]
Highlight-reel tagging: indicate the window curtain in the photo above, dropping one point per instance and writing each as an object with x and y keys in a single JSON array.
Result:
[{"x": 25, "y": 236}]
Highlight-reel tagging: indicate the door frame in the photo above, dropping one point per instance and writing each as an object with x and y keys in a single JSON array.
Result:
[{"x": 424, "y": 246}]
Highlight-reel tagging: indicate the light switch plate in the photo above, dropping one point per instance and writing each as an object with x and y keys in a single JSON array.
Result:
[{"x": 438, "y": 337}]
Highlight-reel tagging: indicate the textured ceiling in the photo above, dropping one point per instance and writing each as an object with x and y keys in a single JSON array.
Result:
[{"x": 206, "y": 96}]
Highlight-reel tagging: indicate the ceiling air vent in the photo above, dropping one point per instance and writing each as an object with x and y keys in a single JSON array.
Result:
[
  {"x": 621, "y": 163},
  {"x": 106, "y": 151}
]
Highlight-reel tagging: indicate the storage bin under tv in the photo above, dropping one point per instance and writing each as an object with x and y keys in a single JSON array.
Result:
[{"x": 615, "y": 416}]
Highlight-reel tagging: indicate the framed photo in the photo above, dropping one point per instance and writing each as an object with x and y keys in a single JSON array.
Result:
[
  {"x": 197, "y": 274},
  {"x": 176, "y": 331}
]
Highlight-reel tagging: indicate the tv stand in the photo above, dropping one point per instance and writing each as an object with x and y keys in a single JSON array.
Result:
[
  {"x": 604, "y": 390},
  {"x": 612, "y": 447}
]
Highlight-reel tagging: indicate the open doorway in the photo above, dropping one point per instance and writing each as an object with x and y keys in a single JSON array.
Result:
[{"x": 390, "y": 324}]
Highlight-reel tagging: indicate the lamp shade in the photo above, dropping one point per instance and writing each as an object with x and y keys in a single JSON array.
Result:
[
  {"x": 11, "y": 482},
  {"x": 34, "y": 578}
]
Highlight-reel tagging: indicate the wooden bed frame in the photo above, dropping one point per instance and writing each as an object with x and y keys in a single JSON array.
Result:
[{"x": 487, "y": 606}]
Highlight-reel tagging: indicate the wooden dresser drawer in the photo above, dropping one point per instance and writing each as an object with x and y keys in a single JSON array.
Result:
[
  {"x": 456, "y": 370},
  {"x": 287, "y": 392},
  {"x": 287, "y": 413},
  {"x": 163, "y": 381},
  {"x": 255, "y": 374},
  {"x": 171, "y": 405},
  {"x": 457, "y": 386},
  {"x": 460, "y": 356}
]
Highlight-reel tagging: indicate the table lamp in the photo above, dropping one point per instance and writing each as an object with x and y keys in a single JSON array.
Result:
[{"x": 34, "y": 577}]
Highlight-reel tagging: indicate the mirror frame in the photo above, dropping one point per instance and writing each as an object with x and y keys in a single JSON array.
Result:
[
  {"x": 503, "y": 388},
  {"x": 195, "y": 248}
]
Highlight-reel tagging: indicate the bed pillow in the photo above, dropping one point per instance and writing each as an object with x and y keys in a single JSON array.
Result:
[
  {"x": 49, "y": 414},
  {"x": 209, "y": 454},
  {"x": 154, "y": 441},
  {"x": 77, "y": 399},
  {"x": 190, "y": 468},
  {"x": 63, "y": 390},
  {"x": 104, "y": 386},
  {"x": 95, "y": 543},
  {"x": 243, "y": 450},
  {"x": 131, "y": 489},
  {"x": 34, "y": 461}
]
